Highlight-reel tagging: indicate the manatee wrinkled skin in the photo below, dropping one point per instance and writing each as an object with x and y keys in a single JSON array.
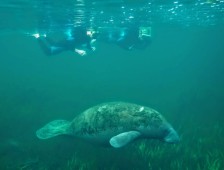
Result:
[{"x": 115, "y": 124}]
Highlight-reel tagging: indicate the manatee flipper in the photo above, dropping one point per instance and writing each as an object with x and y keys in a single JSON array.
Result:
[
  {"x": 54, "y": 128},
  {"x": 123, "y": 139}
]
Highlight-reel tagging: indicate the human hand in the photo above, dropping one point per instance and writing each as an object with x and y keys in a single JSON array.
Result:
[{"x": 80, "y": 52}]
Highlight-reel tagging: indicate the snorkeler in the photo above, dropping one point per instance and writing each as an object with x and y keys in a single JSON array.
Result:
[
  {"x": 79, "y": 40},
  {"x": 127, "y": 38}
]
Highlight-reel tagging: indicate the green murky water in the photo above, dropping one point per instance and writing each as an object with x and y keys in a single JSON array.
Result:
[{"x": 180, "y": 74}]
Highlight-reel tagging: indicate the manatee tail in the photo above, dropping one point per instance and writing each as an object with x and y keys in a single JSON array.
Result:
[{"x": 54, "y": 128}]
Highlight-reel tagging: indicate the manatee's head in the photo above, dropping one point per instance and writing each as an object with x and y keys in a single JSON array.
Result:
[
  {"x": 164, "y": 132},
  {"x": 168, "y": 134}
]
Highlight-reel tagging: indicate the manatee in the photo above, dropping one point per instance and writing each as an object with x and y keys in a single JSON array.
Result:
[{"x": 113, "y": 124}]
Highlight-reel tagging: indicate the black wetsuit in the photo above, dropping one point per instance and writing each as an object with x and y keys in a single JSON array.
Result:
[
  {"x": 78, "y": 40},
  {"x": 126, "y": 38}
]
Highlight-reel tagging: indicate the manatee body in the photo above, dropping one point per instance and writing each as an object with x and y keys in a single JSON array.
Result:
[{"x": 115, "y": 124}]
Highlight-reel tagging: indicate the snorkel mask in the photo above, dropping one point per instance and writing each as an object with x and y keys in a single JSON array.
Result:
[
  {"x": 92, "y": 33},
  {"x": 145, "y": 32}
]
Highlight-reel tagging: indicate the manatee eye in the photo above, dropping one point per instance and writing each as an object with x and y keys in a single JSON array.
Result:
[{"x": 165, "y": 131}]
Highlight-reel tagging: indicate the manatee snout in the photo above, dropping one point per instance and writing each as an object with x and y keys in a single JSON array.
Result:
[{"x": 171, "y": 136}]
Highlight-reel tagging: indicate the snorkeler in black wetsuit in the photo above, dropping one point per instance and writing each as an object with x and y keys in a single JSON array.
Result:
[
  {"x": 80, "y": 40},
  {"x": 128, "y": 38}
]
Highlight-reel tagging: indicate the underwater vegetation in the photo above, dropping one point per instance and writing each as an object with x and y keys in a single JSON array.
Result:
[{"x": 196, "y": 151}]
